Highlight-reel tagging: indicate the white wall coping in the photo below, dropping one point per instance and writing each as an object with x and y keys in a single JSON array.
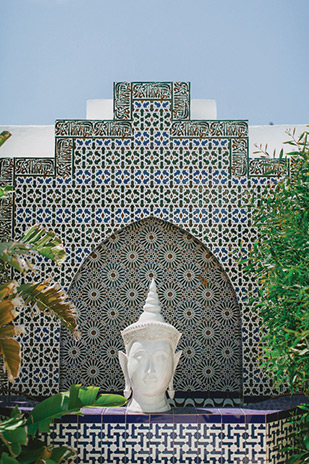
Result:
[
  {"x": 103, "y": 109},
  {"x": 39, "y": 141},
  {"x": 28, "y": 142}
]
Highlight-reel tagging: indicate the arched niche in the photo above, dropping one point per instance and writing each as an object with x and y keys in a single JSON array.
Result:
[{"x": 196, "y": 295}]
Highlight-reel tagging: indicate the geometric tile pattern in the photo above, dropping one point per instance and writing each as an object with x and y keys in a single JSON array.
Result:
[
  {"x": 173, "y": 439},
  {"x": 89, "y": 446},
  {"x": 186, "y": 443},
  {"x": 114, "y": 435},
  {"x": 196, "y": 295},
  {"x": 150, "y": 160},
  {"x": 137, "y": 442},
  {"x": 234, "y": 443},
  {"x": 279, "y": 434},
  {"x": 255, "y": 442},
  {"x": 209, "y": 442},
  {"x": 161, "y": 441}
]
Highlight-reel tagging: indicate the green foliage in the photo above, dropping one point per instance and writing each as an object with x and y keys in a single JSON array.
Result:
[
  {"x": 43, "y": 296},
  {"x": 301, "y": 437},
  {"x": 69, "y": 402},
  {"x": 45, "y": 243},
  {"x": 19, "y": 442},
  {"x": 279, "y": 261},
  {"x": 4, "y": 136},
  {"x": 5, "y": 191}
]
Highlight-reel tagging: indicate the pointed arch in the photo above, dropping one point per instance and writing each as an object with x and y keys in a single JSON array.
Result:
[{"x": 196, "y": 295}]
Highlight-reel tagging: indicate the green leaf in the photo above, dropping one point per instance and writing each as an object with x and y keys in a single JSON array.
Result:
[
  {"x": 296, "y": 458},
  {"x": 16, "y": 420},
  {"x": 45, "y": 243},
  {"x": 51, "y": 299},
  {"x": 279, "y": 262},
  {"x": 13, "y": 433},
  {"x": 6, "y": 459},
  {"x": 4, "y": 136},
  {"x": 48, "y": 461},
  {"x": 87, "y": 395},
  {"x": 62, "y": 453},
  {"x": 34, "y": 452},
  {"x": 5, "y": 191},
  {"x": 13, "y": 254},
  {"x": 66, "y": 403},
  {"x": 108, "y": 400}
]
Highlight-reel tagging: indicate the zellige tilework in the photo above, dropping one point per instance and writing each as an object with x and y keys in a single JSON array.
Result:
[{"x": 150, "y": 162}]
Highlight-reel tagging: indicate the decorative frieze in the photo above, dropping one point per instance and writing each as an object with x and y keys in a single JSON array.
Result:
[
  {"x": 200, "y": 129},
  {"x": 34, "y": 166},
  {"x": 69, "y": 128}
]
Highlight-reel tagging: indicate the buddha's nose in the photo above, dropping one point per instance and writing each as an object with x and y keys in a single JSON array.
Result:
[{"x": 150, "y": 367}]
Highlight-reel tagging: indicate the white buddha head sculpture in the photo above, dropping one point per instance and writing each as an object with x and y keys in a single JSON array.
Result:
[{"x": 150, "y": 359}]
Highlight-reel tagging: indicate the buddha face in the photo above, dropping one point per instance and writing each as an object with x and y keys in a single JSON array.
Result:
[{"x": 150, "y": 366}]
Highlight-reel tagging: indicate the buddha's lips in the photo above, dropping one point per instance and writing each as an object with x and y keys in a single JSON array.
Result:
[{"x": 150, "y": 379}]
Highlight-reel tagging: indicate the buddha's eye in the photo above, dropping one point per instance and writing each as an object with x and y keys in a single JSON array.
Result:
[
  {"x": 161, "y": 357},
  {"x": 139, "y": 356}
]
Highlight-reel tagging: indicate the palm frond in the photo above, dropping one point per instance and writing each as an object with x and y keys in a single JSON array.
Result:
[
  {"x": 45, "y": 243},
  {"x": 50, "y": 299},
  {"x": 14, "y": 253},
  {"x": 10, "y": 350}
]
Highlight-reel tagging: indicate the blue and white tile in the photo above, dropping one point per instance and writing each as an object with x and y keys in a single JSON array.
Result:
[
  {"x": 233, "y": 442},
  {"x": 114, "y": 440},
  {"x": 65, "y": 433},
  {"x": 90, "y": 443},
  {"x": 185, "y": 443},
  {"x": 161, "y": 439},
  {"x": 137, "y": 443},
  {"x": 276, "y": 439},
  {"x": 209, "y": 443},
  {"x": 256, "y": 443}
]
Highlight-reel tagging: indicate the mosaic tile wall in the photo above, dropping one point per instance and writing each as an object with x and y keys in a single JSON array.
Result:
[
  {"x": 110, "y": 290},
  {"x": 151, "y": 160},
  {"x": 175, "y": 438}
]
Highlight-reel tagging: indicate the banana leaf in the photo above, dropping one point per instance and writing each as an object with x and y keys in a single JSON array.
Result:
[
  {"x": 13, "y": 432},
  {"x": 62, "y": 454},
  {"x": 9, "y": 331},
  {"x": 51, "y": 299},
  {"x": 66, "y": 403},
  {"x": 14, "y": 436},
  {"x": 36, "y": 239},
  {"x": 35, "y": 451},
  {"x": 7, "y": 310}
]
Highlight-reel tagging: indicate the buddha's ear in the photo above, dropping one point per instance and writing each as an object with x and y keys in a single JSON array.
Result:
[
  {"x": 171, "y": 391},
  {"x": 176, "y": 359},
  {"x": 123, "y": 359}
]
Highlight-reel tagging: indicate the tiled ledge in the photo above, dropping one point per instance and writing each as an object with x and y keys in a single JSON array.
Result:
[
  {"x": 249, "y": 435},
  {"x": 183, "y": 415},
  {"x": 255, "y": 413}
]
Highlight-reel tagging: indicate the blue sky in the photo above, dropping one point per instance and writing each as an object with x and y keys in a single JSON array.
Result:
[{"x": 251, "y": 56}]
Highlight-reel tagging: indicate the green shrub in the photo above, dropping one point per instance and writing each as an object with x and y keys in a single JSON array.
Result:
[{"x": 279, "y": 261}]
